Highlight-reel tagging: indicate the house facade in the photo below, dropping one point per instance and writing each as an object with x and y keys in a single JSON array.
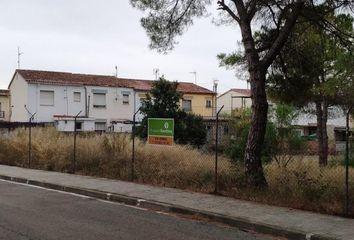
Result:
[
  {"x": 234, "y": 98},
  {"x": 100, "y": 102},
  {"x": 4, "y": 105},
  {"x": 89, "y": 102},
  {"x": 195, "y": 99},
  {"x": 306, "y": 125}
]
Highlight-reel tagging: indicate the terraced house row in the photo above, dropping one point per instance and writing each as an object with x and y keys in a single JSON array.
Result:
[{"x": 102, "y": 103}]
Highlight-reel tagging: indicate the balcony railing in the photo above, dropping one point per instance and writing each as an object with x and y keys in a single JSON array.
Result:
[{"x": 2, "y": 114}]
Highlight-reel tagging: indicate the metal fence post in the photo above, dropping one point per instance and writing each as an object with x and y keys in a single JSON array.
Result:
[
  {"x": 133, "y": 147},
  {"x": 30, "y": 139},
  {"x": 29, "y": 142},
  {"x": 74, "y": 160},
  {"x": 216, "y": 149},
  {"x": 347, "y": 162}
]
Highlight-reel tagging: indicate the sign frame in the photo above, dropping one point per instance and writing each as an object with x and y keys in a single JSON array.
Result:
[{"x": 160, "y": 138}]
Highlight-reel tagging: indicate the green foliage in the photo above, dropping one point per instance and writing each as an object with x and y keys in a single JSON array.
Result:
[
  {"x": 314, "y": 64},
  {"x": 232, "y": 60},
  {"x": 190, "y": 129},
  {"x": 288, "y": 142},
  {"x": 163, "y": 102},
  {"x": 168, "y": 20},
  {"x": 281, "y": 139},
  {"x": 239, "y": 131}
]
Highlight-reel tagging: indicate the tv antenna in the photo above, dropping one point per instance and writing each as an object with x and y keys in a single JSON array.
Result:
[
  {"x": 19, "y": 53},
  {"x": 116, "y": 72},
  {"x": 156, "y": 72},
  {"x": 195, "y": 76}
]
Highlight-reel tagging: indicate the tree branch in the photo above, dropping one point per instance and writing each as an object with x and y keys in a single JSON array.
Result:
[
  {"x": 251, "y": 7},
  {"x": 283, "y": 34},
  {"x": 223, "y": 6}
]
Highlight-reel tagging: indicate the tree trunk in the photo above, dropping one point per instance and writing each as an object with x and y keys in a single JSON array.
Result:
[
  {"x": 322, "y": 116},
  {"x": 253, "y": 152},
  {"x": 257, "y": 69},
  {"x": 253, "y": 163}
]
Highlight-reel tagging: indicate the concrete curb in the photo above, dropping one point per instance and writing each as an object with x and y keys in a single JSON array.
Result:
[{"x": 240, "y": 223}]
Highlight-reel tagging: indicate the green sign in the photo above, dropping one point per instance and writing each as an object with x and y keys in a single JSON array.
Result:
[{"x": 161, "y": 127}]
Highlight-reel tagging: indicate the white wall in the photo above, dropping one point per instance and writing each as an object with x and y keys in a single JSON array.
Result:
[
  {"x": 232, "y": 103},
  {"x": 336, "y": 117},
  {"x": 67, "y": 125},
  {"x": 115, "y": 109},
  {"x": 63, "y": 102},
  {"x": 121, "y": 127},
  {"x": 28, "y": 94},
  {"x": 18, "y": 99}
]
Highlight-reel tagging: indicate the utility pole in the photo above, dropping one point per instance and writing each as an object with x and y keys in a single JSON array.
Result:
[
  {"x": 19, "y": 53},
  {"x": 195, "y": 76}
]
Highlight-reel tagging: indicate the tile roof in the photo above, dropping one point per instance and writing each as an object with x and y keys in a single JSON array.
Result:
[
  {"x": 4, "y": 92},
  {"x": 246, "y": 92},
  {"x": 243, "y": 91},
  {"x": 65, "y": 78},
  {"x": 185, "y": 87}
]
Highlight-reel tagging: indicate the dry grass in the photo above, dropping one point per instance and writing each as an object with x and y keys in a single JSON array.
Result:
[{"x": 301, "y": 184}]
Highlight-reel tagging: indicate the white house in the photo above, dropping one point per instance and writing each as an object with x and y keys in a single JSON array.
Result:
[
  {"x": 306, "y": 124},
  {"x": 100, "y": 102},
  {"x": 234, "y": 98}
]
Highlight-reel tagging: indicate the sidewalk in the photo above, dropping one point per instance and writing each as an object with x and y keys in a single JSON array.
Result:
[{"x": 278, "y": 221}]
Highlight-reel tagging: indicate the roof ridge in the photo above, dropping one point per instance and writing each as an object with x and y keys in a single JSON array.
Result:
[{"x": 57, "y": 77}]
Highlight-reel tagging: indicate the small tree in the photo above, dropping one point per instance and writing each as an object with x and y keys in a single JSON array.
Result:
[
  {"x": 240, "y": 126},
  {"x": 281, "y": 140},
  {"x": 288, "y": 142},
  {"x": 163, "y": 102}
]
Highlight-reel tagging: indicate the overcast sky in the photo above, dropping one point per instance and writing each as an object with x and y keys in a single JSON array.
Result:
[{"x": 92, "y": 36}]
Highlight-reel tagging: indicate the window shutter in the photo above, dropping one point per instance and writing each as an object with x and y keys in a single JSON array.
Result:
[
  {"x": 77, "y": 96},
  {"x": 46, "y": 98},
  {"x": 99, "y": 100}
]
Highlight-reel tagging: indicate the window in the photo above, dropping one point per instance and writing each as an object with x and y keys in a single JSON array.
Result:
[
  {"x": 125, "y": 98},
  {"x": 46, "y": 98},
  {"x": 99, "y": 100},
  {"x": 77, "y": 96},
  {"x": 208, "y": 103},
  {"x": 187, "y": 105},
  {"x": 340, "y": 135},
  {"x": 78, "y": 126},
  {"x": 100, "y": 126}
]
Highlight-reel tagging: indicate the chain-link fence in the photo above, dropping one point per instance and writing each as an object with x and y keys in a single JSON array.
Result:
[{"x": 298, "y": 174}]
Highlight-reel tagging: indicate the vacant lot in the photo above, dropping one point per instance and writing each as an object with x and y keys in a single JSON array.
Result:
[{"x": 299, "y": 184}]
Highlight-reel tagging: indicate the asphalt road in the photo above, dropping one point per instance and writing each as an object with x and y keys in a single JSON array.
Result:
[{"x": 34, "y": 213}]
